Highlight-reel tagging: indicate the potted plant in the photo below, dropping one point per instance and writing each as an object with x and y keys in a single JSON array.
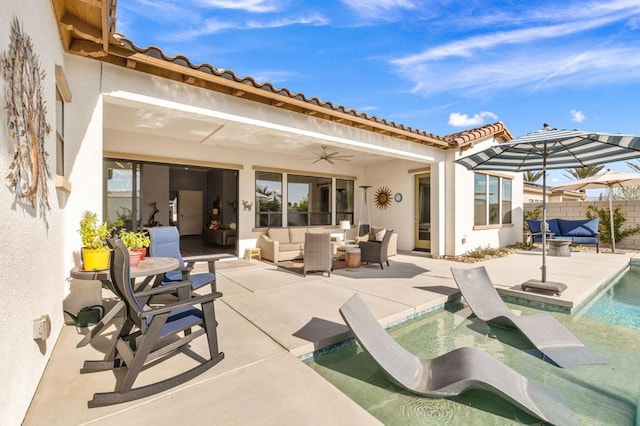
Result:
[
  {"x": 137, "y": 243},
  {"x": 95, "y": 256}
]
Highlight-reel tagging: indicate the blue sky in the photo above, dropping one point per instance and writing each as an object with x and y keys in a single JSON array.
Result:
[{"x": 440, "y": 66}]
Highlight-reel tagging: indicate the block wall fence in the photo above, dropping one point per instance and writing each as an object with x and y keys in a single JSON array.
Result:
[{"x": 578, "y": 209}]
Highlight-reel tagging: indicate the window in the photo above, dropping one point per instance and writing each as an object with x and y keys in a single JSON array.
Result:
[
  {"x": 506, "y": 200},
  {"x": 344, "y": 200},
  {"x": 122, "y": 195},
  {"x": 59, "y": 133},
  {"x": 492, "y": 200},
  {"x": 268, "y": 199},
  {"x": 480, "y": 200},
  {"x": 308, "y": 200}
]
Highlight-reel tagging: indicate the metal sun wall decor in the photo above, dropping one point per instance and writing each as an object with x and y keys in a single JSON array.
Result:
[
  {"x": 26, "y": 110},
  {"x": 383, "y": 197}
]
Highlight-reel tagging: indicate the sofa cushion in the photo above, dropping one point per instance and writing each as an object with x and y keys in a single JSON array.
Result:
[
  {"x": 296, "y": 235},
  {"x": 554, "y": 228},
  {"x": 578, "y": 228},
  {"x": 291, "y": 247},
  {"x": 534, "y": 226},
  {"x": 279, "y": 234}
]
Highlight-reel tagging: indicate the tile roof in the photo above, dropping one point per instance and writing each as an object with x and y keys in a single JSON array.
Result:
[
  {"x": 181, "y": 60},
  {"x": 466, "y": 138}
]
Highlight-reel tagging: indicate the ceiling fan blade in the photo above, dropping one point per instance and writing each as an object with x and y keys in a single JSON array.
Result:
[
  {"x": 329, "y": 161},
  {"x": 317, "y": 160}
]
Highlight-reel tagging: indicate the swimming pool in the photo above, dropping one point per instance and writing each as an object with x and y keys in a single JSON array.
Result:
[
  {"x": 620, "y": 303},
  {"x": 598, "y": 394}
]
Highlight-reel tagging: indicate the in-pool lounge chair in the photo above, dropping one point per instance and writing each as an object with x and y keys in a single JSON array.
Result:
[
  {"x": 544, "y": 331},
  {"x": 452, "y": 373}
]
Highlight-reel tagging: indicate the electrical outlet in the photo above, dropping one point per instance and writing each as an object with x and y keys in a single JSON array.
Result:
[{"x": 42, "y": 328}]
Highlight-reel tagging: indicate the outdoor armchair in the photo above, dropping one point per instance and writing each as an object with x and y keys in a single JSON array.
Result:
[
  {"x": 318, "y": 254},
  {"x": 374, "y": 251},
  {"x": 165, "y": 242}
]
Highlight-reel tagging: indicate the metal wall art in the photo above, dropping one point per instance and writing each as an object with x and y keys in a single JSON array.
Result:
[
  {"x": 26, "y": 111},
  {"x": 383, "y": 197}
]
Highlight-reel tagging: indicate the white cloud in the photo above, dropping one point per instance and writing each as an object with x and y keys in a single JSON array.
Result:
[
  {"x": 577, "y": 116},
  {"x": 257, "y": 6},
  {"x": 382, "y": 9},
  {"x": 213, "y": 26},
  {"x": 560, "y": 67},
  {"x": 458, "y": 119},
  {"x": 532, "y": 56},
  {"x": 469, "y": 46}
]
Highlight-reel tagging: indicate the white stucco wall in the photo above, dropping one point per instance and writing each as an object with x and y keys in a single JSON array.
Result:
[
  {"x": 462, "y": 236},
  {"x": 32, "y": 257},
  {"x": 395, "y": 174}
]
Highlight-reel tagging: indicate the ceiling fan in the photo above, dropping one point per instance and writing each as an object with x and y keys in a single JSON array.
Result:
[{"x": 331, "y": 156}]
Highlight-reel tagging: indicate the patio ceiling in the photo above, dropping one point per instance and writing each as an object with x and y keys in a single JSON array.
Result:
[{"x": 150, "y": 120}]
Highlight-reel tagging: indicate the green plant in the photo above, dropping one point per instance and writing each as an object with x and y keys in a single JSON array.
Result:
[
  {"x": 604, "y": 227},
  {"x": 92, "y": 233},
  {"x": 487, "y": 252},
  {"x": 535, "y": 214},
  {"x": 134, "y": 240}
]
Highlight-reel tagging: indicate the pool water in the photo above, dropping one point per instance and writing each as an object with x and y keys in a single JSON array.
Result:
[
  {"x": 598, "y": 394},
  {"x": 620, "y": 303}
]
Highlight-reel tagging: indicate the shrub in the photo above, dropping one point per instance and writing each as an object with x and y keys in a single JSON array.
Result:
[{"x": 604, "y": 227}]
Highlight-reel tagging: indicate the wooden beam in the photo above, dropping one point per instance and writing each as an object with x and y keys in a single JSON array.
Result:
[
  {"x": 86, "y": 48},
  {"x": 105, "y": 24},
  {"x": 80, "y": 28},
  {"x": 131, "y": 64},
  {"x": 92, "y": 3}
]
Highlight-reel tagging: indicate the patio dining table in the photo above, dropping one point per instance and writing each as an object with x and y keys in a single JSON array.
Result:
[{"x": 151, "y": 268}]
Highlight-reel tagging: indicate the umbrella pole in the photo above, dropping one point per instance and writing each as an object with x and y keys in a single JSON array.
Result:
[
  {"x": 613, "y": 237},
  {"x": 544, "y": 217}
]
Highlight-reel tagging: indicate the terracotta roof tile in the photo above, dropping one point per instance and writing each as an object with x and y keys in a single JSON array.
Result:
[
  {"x": 466, "y": 138},
  {"x": 181, "y": 60}
]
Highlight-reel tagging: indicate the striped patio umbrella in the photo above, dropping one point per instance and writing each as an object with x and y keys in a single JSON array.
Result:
[{"x": 551, "y": 148}]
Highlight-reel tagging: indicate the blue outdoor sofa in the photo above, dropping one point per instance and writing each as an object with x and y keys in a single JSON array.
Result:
[{"x": 581, "y": 231}]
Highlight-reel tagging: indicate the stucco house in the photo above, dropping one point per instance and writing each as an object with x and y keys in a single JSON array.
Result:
[{"x": 123, "y": 127}]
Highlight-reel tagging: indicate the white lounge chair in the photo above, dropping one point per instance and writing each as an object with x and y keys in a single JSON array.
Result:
[
  {"x": 452, "y": 373},
  {"x": 544, "y": 331}
]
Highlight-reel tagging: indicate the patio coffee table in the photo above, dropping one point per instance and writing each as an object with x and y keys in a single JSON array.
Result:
[{"x": 559, "y": 247}]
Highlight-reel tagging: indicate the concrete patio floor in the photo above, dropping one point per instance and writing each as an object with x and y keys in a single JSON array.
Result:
[{"x": 268, "y": 318}]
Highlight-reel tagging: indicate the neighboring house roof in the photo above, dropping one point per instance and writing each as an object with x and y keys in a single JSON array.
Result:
[
  {"x": 534, "y": 188},
  {"x": 467, "y": 138},
  {"x": 87, "y": 29}
]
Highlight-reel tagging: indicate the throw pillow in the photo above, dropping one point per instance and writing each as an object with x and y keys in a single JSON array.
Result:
[
  {"x": 380, "y": 235},
  {"x": 373, "y": 233},
  {"x": 365, "y": 237}
]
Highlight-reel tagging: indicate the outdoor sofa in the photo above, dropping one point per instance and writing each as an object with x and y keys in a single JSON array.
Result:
[
  {"x": 580, "y": 231},
  {"x": 279, "y": 244}
]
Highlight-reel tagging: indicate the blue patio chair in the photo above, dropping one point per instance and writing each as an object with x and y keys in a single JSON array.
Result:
[{"x": 165, "y": 242}]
